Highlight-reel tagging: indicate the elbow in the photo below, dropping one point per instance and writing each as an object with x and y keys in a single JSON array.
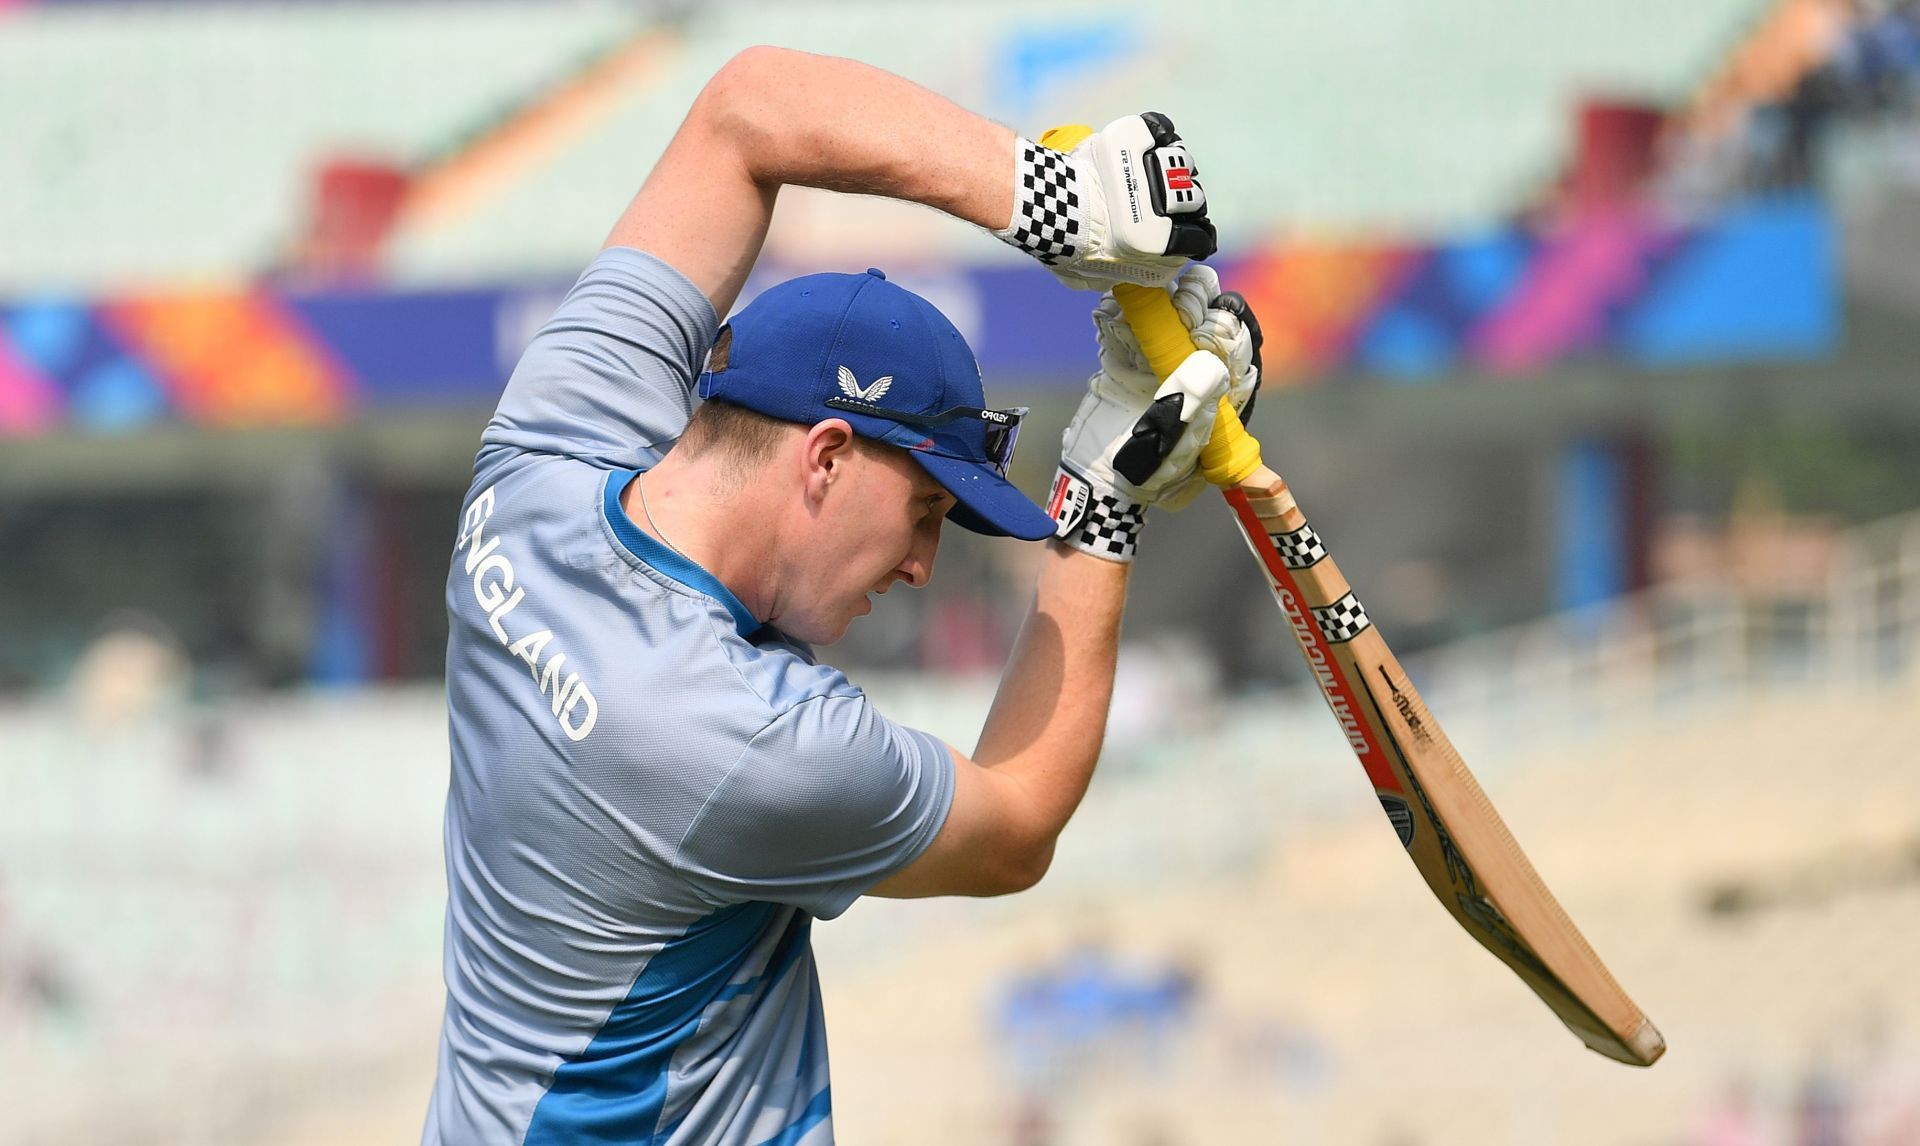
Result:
[
  {"x": 750, "y": 70},
  {"x": 758, "y": 60},
  {"x": 1023, "y": 868},
  {"x": 738, "y": 101},
  {"x": 1029, "y": 833}
]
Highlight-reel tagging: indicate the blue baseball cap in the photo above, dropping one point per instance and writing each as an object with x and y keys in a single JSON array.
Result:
[{"x": 875, "y": 354}]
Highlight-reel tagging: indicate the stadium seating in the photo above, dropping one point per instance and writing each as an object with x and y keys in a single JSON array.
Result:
[
  {"x": 1317, "y": 97},
  {"x": 173, "y": 143},
  {"x": 154, "y": 144}
]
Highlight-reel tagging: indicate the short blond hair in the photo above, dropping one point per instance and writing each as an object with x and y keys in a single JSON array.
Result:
[{"x": 738, "y": 438}]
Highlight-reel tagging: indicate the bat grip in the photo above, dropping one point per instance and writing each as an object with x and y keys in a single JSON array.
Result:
[
  {"x": 1163, "y": 337},
  {"x": 1232, "y": 455}
]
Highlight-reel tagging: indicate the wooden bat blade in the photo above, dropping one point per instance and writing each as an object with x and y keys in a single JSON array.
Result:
[
  {"x": 1448, "y": 826},
  {"x": 1450, "y": 829}
]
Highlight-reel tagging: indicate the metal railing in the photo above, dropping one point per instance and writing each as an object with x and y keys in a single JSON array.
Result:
[{"x": 1656, "y": 652}]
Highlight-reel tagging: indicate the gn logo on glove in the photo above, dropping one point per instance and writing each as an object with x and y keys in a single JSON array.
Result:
[
  {"x": 1179, "y": 190},
  {"x": 1067, "y": 505},
  {"x": 872, "y": 392}
]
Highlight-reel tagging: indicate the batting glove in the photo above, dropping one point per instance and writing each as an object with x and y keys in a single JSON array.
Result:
[
  {"x": 1219, "y": 323},
  {"x": 1134, "y": 442},
  {"x": 1122, "y": 204}
]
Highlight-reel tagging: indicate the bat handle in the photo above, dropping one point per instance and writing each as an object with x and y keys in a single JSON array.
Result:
[{"x": 1232, "y": 455}]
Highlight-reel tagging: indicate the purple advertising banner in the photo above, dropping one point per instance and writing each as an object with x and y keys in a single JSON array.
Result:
[{"x": 1629, "y": 288}]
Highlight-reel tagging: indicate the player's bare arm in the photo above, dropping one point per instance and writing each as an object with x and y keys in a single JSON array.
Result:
[
  {"x": 1036, "y": 754},
  {"x": 735, "y": 790},
  {"x": 773, "y": 117},
  {"x": 1043, "y": 735}
]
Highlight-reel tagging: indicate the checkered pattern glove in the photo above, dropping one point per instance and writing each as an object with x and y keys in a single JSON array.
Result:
[
  {"x": 1123, "y": 204},
  {"x": 1098, "y": 510}
]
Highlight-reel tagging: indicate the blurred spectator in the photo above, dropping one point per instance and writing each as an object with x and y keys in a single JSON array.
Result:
[
  {"x": 1811, "y": 66},
  {"x": 1291, "y": 1054},
  {"x": 1820, "y": 1109},
  {"x": 1731, "y": 1119},
  {"x": 1164, "y": 1005},
  {"x": 32, "y": 987},
  {"x": 133, "y": 687},
  {"x": 209, "y": 750},
  {"x": 1887, "y": 1106},
  {"x": 1086, "y": 1023},
  {"x": 132, "y": 671},
  {"x": 1023, "y": 1023}
]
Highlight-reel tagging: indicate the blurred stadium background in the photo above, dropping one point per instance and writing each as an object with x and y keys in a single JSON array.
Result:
[{"x": 1591, "y": 344}]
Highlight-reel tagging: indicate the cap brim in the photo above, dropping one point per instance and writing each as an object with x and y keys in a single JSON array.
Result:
[{"x": 988, "y": 503}]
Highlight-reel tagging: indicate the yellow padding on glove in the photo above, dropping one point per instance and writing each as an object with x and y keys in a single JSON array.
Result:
[
  {"x": 1231, "y": 454},
  {"x": 1066, "y": 137}
]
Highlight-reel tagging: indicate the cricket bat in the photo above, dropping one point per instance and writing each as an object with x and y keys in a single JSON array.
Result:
[{"x": 1443, "y": 819}]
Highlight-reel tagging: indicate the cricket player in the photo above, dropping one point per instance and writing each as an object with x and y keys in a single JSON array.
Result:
[{"x": 656, "y": 786}]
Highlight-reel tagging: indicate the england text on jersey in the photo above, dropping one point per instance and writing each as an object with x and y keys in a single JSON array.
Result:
[{"x": 494, "y": 588}]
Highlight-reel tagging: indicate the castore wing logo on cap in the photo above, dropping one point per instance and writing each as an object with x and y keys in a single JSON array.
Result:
[{"x": 873, "y": 392}]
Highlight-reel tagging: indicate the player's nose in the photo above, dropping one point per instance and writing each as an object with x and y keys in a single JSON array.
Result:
[{"x": 917, "y": 569}]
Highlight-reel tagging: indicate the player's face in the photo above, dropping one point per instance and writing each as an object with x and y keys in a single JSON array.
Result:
[{"x": 881, "y": 528}]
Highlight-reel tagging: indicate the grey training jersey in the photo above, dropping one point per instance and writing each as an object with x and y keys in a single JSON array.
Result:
[{"x": 652, "y": 797}]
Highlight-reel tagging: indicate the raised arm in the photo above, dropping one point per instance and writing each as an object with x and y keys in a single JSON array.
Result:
[
  {"x": 1120, "y": 205},
  {"x": 771, "y": 117},
  {"x": 1037, "y": 752}
]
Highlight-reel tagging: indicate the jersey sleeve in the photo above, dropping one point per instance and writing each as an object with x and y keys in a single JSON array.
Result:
[
  {"x": 829, "y": 799},
  {"x": 609, "y": 379}
]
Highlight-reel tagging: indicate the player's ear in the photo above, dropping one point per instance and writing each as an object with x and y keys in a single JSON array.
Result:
[{"x": 825, "y": 453}]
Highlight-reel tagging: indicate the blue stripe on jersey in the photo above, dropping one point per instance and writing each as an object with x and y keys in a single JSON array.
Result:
[
  {"x": 815, "y": 1113},
  {"x": 792, "y": 946},
  {"x": 664, "y": 559},
  {"x": 612, "y": 1094}
]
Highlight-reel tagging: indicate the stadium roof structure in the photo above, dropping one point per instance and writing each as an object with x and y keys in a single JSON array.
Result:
[{"x": 162, "y": 144}]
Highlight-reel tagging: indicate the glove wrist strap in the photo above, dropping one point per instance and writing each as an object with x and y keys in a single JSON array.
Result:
[
  {"x": 1049, "y": 219},
  {"x": 1093, "y": 519}
]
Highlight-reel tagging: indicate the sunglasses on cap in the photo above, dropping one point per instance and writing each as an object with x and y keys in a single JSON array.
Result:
[{"x": 1001, "y": 427}]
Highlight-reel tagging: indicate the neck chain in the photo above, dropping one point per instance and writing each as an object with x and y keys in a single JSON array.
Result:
[{"x": 640, "y": 483}]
